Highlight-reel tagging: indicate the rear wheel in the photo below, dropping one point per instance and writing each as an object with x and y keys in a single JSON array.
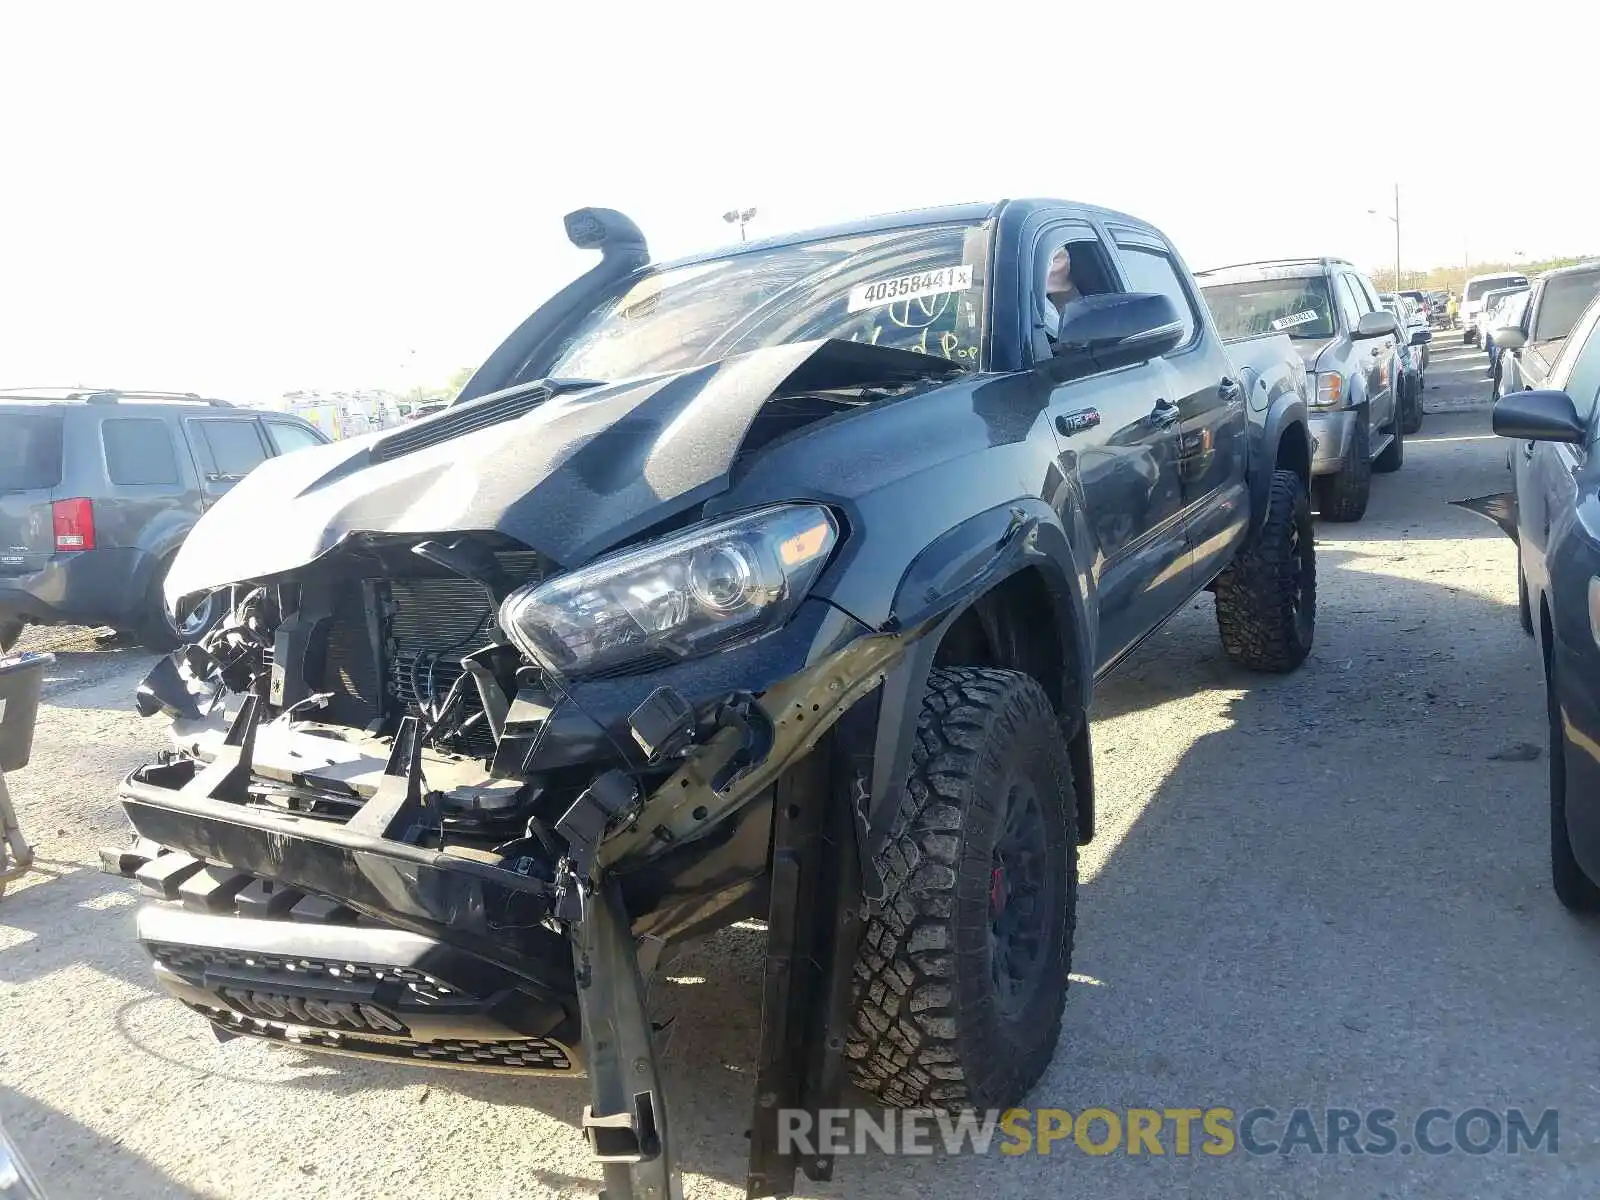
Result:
[
  {"x": 962, "y": 971},
  {"x": 157, "y": 631},
  {"x": 1394, "y": 454},
  {"x": 1343, "y": 496},
  {"x": 1411, "y": 419},
  {"x": 1267, "y": 598},
  {"x": 1573, "y": 886}
]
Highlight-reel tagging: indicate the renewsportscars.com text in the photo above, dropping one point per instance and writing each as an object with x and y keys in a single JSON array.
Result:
[{"x": 1216, "y": 1131}]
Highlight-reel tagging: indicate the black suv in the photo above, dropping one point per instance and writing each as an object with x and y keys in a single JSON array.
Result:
[{"x": 98, "y": 489}]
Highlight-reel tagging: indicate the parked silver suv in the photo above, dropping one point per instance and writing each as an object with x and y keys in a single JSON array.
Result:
[
  {"x": 98, "y": 489},
  {"x": 1351, "y": 348}
]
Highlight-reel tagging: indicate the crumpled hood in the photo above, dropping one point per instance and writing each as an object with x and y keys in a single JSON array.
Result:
[{"x": 575, "y": 475}]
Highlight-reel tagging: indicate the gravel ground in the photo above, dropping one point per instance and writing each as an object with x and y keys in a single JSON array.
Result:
[{"x": 1322, "y": 890}]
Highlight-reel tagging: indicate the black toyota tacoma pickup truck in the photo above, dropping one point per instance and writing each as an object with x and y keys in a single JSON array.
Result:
[{"x": 774, "y": 583}]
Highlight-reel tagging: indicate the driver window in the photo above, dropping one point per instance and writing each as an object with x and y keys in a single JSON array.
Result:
[
  {"x": 1068, "y": 265},
  {"x": 1347, "y": 301},
  {"x": 1583, "y": 379}
]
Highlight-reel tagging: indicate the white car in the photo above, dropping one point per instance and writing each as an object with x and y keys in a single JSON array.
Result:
[{"x": 1472, "y": 300}]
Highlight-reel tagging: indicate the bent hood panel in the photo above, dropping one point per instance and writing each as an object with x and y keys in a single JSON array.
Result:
[{"x": 570, "y": 478}]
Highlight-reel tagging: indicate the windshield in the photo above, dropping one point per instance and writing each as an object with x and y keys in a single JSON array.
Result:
[
  {"x": 1565, "y": 297},
  {"x": 1298, "y": 307},
  {"x": 1477, "y": 288},
  {"x": 915, "y": 289},
  {"x": 30, "y": 451}
]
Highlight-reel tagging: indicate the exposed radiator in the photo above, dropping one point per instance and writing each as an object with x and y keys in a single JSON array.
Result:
[{"x": 428, "y": 623}]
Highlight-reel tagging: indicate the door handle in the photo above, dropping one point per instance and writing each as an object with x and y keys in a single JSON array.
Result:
[
  {"x": 1164, "y": 413},
  {"x": 1377, "y": 350},
  {"x": 1527, "y": 450},
  {"x": 1230, "y": 389}
]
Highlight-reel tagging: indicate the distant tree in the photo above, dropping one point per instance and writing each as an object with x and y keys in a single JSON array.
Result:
[{"x": 458, "y": 380}]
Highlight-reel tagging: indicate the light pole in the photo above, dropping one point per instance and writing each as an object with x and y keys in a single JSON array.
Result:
[
  {"x": 740, "y": 217},
  {"x": 1396, "y": 220}
]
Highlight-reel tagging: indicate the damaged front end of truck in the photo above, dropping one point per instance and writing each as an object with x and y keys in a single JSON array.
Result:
[{"x": 503, "y": 712}]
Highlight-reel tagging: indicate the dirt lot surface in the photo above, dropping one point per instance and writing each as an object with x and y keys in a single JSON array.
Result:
[{"x": 1322, "y": 890}]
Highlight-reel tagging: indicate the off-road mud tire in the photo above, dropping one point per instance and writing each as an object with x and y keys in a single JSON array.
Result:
[
  {"x": 1267, "y": 598},
  {"x": 931, "y": 1026}
]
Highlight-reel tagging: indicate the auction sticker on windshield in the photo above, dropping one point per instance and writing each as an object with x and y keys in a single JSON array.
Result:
[
  {"x": 910, "y": 287},
  {"x": 1293, "y": 319}
]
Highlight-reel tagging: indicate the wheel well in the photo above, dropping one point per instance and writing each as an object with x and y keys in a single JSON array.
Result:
[
  {"x": 1013, "y": 627},
  {"x": 1294, "y": 452},
  {"x": 1017, "y": 627}
]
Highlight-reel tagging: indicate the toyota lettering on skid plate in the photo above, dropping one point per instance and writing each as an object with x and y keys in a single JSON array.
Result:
[{"x": 667, "y": 624}]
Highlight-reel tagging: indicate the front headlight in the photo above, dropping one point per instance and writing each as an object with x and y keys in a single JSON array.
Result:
[
  {"x": 1330, "y": 390},
  {"x": 686, "y": 595}
]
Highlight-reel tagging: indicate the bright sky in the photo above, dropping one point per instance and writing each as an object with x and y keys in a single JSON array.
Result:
[{"x": 246, "y": 199}]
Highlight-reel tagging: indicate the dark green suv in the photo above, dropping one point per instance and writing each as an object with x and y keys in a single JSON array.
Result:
[{"x": 98, "y": 489}]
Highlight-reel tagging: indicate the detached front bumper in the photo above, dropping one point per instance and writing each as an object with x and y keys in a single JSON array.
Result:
[
  {"x": 350, "y": 989},
  {"x": 1333, "y": 432}
]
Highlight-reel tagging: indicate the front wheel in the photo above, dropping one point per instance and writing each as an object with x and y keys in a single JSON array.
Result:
[
  {"x": 1343, "y": 495},
  {"x": 1573, "y": 886},
  {"x": 1267, "y": 598},
  {"x": 961, "y": 975}
]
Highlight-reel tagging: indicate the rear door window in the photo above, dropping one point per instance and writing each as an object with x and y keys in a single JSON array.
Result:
[
  {"x": 288, "y": 438},
  {"x": 30, "y": 451},
  {"x": 139, "y": 451},
  {"x": 234, "y": 448},
  {"x": 1151, "y": 271}
]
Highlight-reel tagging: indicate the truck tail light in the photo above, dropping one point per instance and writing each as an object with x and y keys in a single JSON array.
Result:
[
  {"x": 1330, "y": 389},
  {"x": 74, "y": 524}
]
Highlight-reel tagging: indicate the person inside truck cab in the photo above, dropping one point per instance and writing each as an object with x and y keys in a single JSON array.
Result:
[{"x": 1072, "y": 271}]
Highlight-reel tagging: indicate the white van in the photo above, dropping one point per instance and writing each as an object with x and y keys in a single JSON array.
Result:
[{"x": 1472, "y": 300}]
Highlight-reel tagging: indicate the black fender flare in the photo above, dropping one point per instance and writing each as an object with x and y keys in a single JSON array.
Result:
[
  {"x": 1284, "y": 413},
  {"x": 941, "y": 583}
]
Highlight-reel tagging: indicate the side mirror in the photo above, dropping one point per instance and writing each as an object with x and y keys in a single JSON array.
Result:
[
  {"x": 1538, "y": 415},
  {"x": 1118, "y": 330},
  {"x": 1376, "y": 324},
  {"x": 1509, "y": 337},
  {"x": 1421, "y": 336}
]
